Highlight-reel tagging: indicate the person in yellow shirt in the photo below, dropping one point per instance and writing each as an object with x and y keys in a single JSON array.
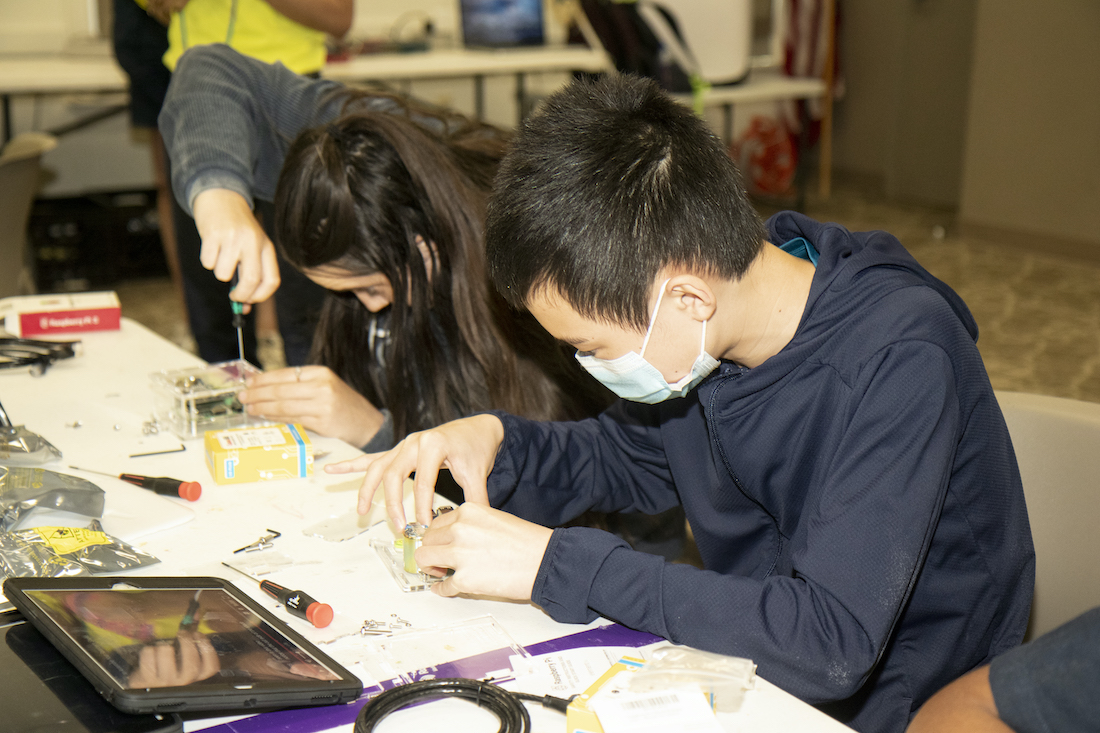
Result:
[{"x": 290, "y": 31}]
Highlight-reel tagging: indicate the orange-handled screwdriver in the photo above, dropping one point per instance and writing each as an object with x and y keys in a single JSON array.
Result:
[
  {"x": 298, "y": 603},
  {"x": 190, "y": 490}
]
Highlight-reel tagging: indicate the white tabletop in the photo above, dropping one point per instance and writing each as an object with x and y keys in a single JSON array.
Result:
[
  {"x": 107, "y": 392},
  {"x": 56, "y": 74},
  {"x": 61, "y": 73},
  {"x": 763, "y": 85},
  {"x": 468, "y": 62}
]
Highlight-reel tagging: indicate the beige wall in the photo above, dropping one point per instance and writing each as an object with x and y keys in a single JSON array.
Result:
[
  {"x": 1032, "y": 160},
  {"x": 906, "y": 69},
  {"x": 869, "y": 62}
]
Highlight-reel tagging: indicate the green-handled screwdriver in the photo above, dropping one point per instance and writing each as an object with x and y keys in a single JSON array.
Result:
[
  {"x": 238, "y": 323},
  {"x": 238, "y": 319}
]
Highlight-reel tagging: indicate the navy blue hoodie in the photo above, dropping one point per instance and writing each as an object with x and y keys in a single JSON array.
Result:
[{"x": 855, "y": 498}]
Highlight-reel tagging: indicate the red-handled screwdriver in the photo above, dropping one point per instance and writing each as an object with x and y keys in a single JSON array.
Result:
[
  {"x": 190, "y": 490},
  {"x": 298, "y": 603}
]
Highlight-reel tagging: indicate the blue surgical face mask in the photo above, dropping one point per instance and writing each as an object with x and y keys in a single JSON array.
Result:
[{"x": 633, "y": 378}]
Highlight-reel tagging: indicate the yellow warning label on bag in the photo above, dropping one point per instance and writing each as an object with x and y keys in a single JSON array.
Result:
[{"x": 64, "y": 540}]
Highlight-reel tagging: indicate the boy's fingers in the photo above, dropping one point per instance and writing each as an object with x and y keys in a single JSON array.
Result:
[
  {"x": 427, "y": 472},
  {"x": 446, "y": 588},
  {"x": 393, "y": 483}
]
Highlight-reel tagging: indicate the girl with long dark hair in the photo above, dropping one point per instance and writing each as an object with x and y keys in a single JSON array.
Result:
[{"x": 382, "y": 202}]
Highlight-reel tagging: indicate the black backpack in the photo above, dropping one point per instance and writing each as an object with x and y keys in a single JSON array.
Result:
[{"x": 632, "y": 45}]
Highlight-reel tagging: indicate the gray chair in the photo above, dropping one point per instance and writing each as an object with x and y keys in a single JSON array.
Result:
[
  {"x": 19, "y": 182},
  {"x": 1057, "y": 443}
]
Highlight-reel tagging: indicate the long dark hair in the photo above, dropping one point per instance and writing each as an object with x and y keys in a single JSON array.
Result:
[{"x": 355, "y": 194}]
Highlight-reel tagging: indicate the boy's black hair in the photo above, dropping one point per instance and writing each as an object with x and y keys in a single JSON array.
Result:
[{"x": 607, "y": 184}]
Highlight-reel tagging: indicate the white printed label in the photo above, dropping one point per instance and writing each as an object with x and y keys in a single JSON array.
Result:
[
  {"x": 660, "y": 711},
  {"x": 251, "y": 438},
  {"x": 564, "y": 673}
]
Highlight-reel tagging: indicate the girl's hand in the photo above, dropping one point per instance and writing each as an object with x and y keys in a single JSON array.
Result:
[
  {"x": 316, "y": 398},
  {"x": 234, "y": 242}
]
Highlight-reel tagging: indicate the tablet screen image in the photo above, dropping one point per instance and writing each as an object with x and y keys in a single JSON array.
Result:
[
  {"x": 191, "y": 647},
  {"x": 501, "y": 23}
]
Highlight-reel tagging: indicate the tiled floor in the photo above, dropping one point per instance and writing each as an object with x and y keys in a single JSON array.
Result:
[{"x": 1038, "y": 316}]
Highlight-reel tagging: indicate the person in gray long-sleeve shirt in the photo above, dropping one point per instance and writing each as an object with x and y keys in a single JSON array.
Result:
[{"x": 378, "y": 196}]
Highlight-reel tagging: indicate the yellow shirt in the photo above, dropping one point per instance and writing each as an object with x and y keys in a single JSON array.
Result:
[{"x": 250, "y": 26}]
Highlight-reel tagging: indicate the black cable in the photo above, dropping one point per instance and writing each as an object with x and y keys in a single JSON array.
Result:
[
  {"x": 502, "y": 703},
  {"x": 38, "y": 355}
]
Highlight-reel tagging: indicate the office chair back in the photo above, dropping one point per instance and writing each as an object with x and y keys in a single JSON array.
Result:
[
  {"x": 19, "y": 182},
  {"x": 710, "y": 38},
  {"x": 1057, "y": 443}
]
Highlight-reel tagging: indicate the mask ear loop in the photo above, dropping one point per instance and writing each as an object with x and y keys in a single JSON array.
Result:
[{"x": 653, "y": 317}]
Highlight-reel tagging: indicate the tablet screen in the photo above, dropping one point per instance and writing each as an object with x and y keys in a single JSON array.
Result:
[{"x": 168, "y": 637}]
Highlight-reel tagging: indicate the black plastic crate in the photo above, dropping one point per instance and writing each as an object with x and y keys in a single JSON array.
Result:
[{"x": 92, "y": 242}]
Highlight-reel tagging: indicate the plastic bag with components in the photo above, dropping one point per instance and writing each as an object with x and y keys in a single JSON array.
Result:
[
  {"x": 58, "y": 552},
  {"x": 19, "y": 445},
  {"x": 723, "y": 679},
  {"x": 24, "y": 489}
]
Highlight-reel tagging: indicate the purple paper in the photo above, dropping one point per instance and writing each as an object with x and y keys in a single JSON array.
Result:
[{"x": 314, "y": 720}]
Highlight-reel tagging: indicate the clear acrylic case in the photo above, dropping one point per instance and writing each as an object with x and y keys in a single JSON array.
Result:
[{"x": 191, "y": 401}]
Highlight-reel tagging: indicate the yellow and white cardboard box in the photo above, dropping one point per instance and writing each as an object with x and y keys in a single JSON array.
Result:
[{"x": 268, "y": 453}]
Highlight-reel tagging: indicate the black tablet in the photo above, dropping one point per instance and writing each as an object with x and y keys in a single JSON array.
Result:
[
  {"x": 154, "y": 645},
  {"x": 42, "y": 691}
]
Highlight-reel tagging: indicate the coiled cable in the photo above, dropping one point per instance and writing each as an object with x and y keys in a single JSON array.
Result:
[
  {"x": 38, "y": 355},
  {"x": 507, "y": 706}
]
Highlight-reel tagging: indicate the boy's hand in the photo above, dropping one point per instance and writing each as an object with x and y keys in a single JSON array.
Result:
[
  {"x": 315, "y": 397},
  {"x": 234, "y": 242},
  {"x": 468, "y": 447},
  {"x": 493, "y": 553}
]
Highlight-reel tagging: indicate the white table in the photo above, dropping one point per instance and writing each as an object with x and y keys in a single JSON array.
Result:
[
  {"x": 107, "y": 391},
  {"x": 64, "y": 74},
  {"x": 58, "y": 74},
  {"x": 472, "y": 63}
]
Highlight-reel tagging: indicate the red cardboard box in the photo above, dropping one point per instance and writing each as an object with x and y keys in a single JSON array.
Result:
[{"x": 34, "y": 316}]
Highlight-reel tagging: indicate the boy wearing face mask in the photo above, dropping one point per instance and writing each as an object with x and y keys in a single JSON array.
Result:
[{"x": 812, "y": 397}]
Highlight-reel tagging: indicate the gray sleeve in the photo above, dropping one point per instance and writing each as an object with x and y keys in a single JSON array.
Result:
[
  {"x": 1051, "y": 683},
  {"x": 383, "y": 439},
  {"x": 228, "y": 120}
]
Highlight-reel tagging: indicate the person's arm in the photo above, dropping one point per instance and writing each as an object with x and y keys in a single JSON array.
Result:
[
  {"x": 1048, "y": 684},
  {"x": 964, "y": 706},
  {"x": 610, "y": 464},
  {"x": 228, "y": 119},
  {"x": 331, "y": 16},
  {"x": 613, "y": 463}
]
